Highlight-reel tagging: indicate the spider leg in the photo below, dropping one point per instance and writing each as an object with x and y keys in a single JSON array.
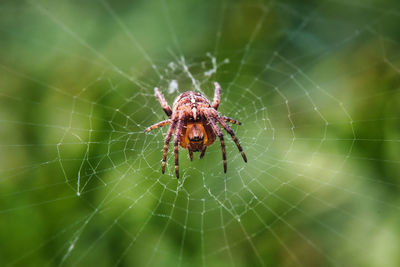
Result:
[
  {"x": 163, "y": 102},
  {"x": 217, "y": 93},
  {"x": 230, "y": 131},
  {"x": 218, "y": 132},
  {"x": 158, "y": 125},
  {"x": 166, "y": 144},
  {"x": 177, "y": 139},
  {"x": 190, "y": 154},
  {"x": 228, "y": 119},
  {"x": 203, "y": 152}
]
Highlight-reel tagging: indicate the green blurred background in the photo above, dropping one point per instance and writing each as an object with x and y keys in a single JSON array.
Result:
[{"x": 315, "y": 84}]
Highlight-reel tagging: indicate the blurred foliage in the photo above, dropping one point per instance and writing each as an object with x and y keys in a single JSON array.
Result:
[{"x": 314, "y": 83}]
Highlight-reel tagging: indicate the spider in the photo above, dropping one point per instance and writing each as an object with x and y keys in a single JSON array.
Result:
[{"x": 193, "y": 122}]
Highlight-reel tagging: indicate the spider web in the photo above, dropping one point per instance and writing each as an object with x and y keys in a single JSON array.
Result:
[{"x": 315, "y": 86}]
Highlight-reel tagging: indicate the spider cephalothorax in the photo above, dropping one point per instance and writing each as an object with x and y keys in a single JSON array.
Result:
[{"x": 193, "y": 122}]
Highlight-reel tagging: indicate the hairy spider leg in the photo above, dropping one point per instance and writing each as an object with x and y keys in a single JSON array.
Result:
[
  {"x": 217, "y": 95},
  {"x": 177, "y": 139},
  {"x": 233, "y": 121},
  {"x": 203, "y": 152},
  {"x": 158, "y": 125},
  {"x": 218, "y": 132},
  {"x": 163, "y": 102},
  {"x": 166, "y": 144},
  {"x": 230, "y": 131}
]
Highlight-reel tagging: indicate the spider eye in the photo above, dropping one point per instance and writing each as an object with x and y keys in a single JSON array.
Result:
[
  {"x": 196, "y": 138},
  {"x": 195, "y": 133}
]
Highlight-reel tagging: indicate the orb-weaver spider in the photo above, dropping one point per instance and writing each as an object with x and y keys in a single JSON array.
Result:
[{"x": 193, "y": 122}]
